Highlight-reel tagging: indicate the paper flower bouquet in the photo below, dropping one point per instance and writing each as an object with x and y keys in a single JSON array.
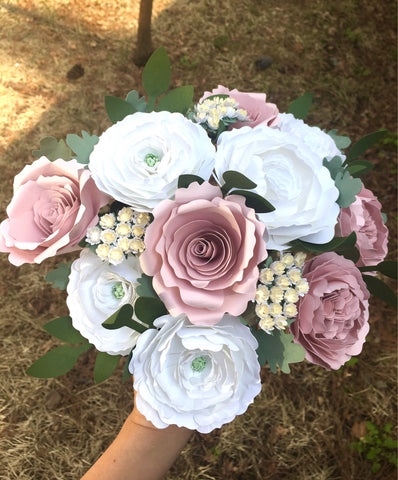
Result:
[{"x": 213, "y": 238}]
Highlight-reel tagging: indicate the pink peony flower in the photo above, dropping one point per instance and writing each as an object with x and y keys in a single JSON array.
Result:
[
  {"x": 332, "y": 322},
  {"x": 54, "y": 204},
  {"x": 364, "y": 218},
  {"x": 260, "y": 112},
  {"x": 203, "y": 251}
]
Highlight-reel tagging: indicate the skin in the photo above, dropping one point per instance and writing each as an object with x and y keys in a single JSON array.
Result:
[{"x": 140, "y": 451}]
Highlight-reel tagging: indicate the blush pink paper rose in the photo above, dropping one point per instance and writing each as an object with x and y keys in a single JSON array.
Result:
[
  {"x": 364, "y": 218},
  {"x": 54, "y": 204},
  {"x": 202, "y": 251},
  {"x": 332, "y": 320},
  {"x": 260, "y": 111}
]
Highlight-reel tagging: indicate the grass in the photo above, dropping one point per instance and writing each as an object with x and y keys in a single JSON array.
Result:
[{"x": 302, "y": 424}]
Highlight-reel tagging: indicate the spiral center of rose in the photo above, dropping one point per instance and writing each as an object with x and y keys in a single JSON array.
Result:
[
  {"x": 151, "y": 159},
  {"x": 118, "y": 290},
  {"x": 199, "y": 364}
]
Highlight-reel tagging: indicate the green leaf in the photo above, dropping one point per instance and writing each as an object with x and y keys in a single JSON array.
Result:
[
  {"x": 104, "y": 366},
  {"x": 53, "y": 149},
  {"x": 235, "y": 179},
  {"x": 301, "y": 106},
  {"x": 60, "y": 276},
  {"x": 185, "y": 180},
  {"x": 145, "y": 288},
  {"x": 148, "y": 309},
  {"x": 337, "y": 243},
  {"x": 359, "y": 167},
  {"x": 156, "y": 74},
  {"x": 334, "y": 166},
  {"x": 177, "y": 100},
  {"x": 63, "y": 329},
  {"x": 388, "y": 268},
  {"x": 277, "y": 349},
  {"x": 121, "y": 318},
  {"x": 340, "y": 141},
  {"x": 364, "y": 144},
  {"x": 117, "y": 108},
  {"x": 379, "y": 289},
  {"x": 348, "y": 188},
  {"x": 126, "y": 371},
  {"x": 255, "y": 201},
  {"x": 57, "y": 362},
  {"x": 136, "y": 101},
  {"x": 82, "y": 146}
]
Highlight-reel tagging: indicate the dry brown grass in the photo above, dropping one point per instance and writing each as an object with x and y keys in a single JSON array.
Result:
[{"x": 301, "y": 425}]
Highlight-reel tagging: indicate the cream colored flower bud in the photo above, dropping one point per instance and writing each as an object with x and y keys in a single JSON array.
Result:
[
  {"x": 262, "y": 294},
  {"x": 102, "y": 251},
  {"x": 124, "y": 244},
  {"x": 294, "y": 274},
  {"x": 108, "y": 236},
  {"x": 287, "y": 259},
  {"x": 116, "y": 255},
  {"x": 290, "y": 310},
  {"x": 276, "y": 294},
  {"x": 137, "y": 245},
  {"x": 266, "y": 323},
  {"x": 302, "y": 286},
  {"x": 94, "y": 235},
  {"x": 280, "y": 322},
  {"x": 277, "y": 267},
  {"x": 262, "y": 310},
  {"x": 142, "y": 219},
  {"x": 291, "y": 296},
  {"x": 299, "y": 259},
  {"x": 275, "y": 309},
  {"x": 125, "y": 214},
  {"x": 137, "y": 231},
  {"x": 283, "y": 282},
  {"x": 108, "y": 220},
  {"x": 123, "y": 229},
  {"x": 266, "y": 276}
]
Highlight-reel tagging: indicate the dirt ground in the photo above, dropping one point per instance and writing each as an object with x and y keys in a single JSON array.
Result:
[{"x": 302, "y": 425}]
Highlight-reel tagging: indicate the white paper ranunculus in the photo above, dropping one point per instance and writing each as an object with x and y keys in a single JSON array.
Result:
[
  {"x": 290, "y": 175},
  {"x": 195, "y": 376},
  {"x": 139, "y": 159},
  {"x": 317, "y": 140},
  {"x": 96, "y": 290}
]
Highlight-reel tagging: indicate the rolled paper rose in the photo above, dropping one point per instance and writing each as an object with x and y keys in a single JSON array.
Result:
[
  {"x": 54, "y": 204},
  {"x": 139, "y": 159},
  {"x": 289, "y": 173},
  {"x": 364, "y": 218},
  {"x": 203, "y": 251},
  {"x": 332, "y": 320},
  {"x": 96, "y": 290},
  {"x": 259, "y": 110},
  {"x": 195, "y": 376}
]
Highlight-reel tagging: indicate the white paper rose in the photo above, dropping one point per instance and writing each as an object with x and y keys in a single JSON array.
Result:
[
  {"x": 139, "y": 159},
  {"x": 195, "y": 376},
  {"x": 96, "y": 290},
  {"x": 290, "y": 175},
  {"x": 317, "y": 140}
]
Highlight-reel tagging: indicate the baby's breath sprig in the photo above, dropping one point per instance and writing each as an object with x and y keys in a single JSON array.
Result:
[
  {"x": 119, "y": 234},
  {"x": 280, "y": 286}
]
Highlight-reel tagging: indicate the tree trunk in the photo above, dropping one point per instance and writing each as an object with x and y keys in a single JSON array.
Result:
[{"x": 144, "y": 47}]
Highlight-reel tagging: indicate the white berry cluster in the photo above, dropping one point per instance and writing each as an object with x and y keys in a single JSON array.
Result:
[
  {"x": 215, "y": 110},
  {"x": 279, "y": 289},
  {"x": 119, "y": 235}
]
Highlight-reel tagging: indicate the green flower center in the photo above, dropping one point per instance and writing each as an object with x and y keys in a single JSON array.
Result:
[
  {"x": 198, "y": 364},
  {"x": 151, "y": 159},
  {"x": 118, "y": 290}
]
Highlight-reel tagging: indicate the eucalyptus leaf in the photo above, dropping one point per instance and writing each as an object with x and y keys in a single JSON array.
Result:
[
  {"x": 136, "y": 101},
  {"x": 348, "y": 187},
  {"x": 63, "y": 329},
  {"x": 334, "y": 166},
  {"x": 53, "y": 149},
  {"x": 117, "y": 108},
  {"x": 148, "y": 309},
  {"x": 387, "y": 267},
  {"x": 381, "y": 290},
  {"x": 337, "y": 243},
  {"x": 341, "y": 141},
  {"x": 104, "y": 366},
  {"x": 255, "y": 201},
  {"x": 156, "y": 75},
  {"x": 177, "y": 100},
  {"x": 145, "y": 288},
  {"x": 185, "y": 180},
  {"x": 57, "y": 362},
  {"x": 277, "y": 349},
  {"x": 301, "y": 106},
  {"x": 121, "y": 318},
  {"x": 82, "y": 146},
  {"x": 60, "y": 276},
  {"x": 359, "y": 167},
  {"x": 364, "y": 144}
]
